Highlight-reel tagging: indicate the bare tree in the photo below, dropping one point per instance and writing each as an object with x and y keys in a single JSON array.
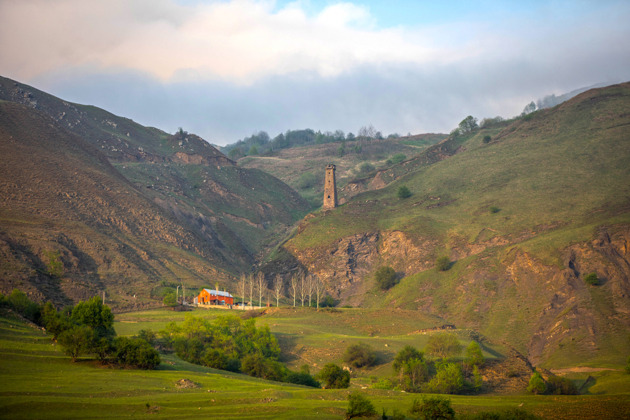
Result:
[
  {"x": 277, "y": 288},
  {"x": 310, "y": 284},
  {"x": 319, "y": 288},
  {"x": 302, "y": 287},
  {"x": 260, "y": 283},
  {"x": 250, "y": 279},
  {"x": 242, "y": 287},
  {"x": 294, "y": 288}
]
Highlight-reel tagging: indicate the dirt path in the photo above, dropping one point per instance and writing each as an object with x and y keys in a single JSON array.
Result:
[{"x": 579, "y": 369}]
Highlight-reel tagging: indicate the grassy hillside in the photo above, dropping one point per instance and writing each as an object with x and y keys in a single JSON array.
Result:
[
  {"x": 40, "y": 382},
  {"x": 122, "y": 207},
  {"x": 303, "y": 167},
  {"x": 523, "y": 218}
]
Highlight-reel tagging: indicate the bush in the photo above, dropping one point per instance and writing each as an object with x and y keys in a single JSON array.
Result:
[
  {"x": 306, "y": 180},
  {"x": 333, "y": 377},
  {"x": 443, "y": 263},
  {"x": 76, "y": 340},
  {"x": 327, "y": 302},
  {"x": 561, "y": 386},
  {"x": 494, "y": 209},
  {"x": 170, "y": 299},
  {"x": 443, "y": 345},
  {"x": 20, "y": 303},
  {"x": 487, "y": 139},
  {"x": 536, "y": 384},
  {"x": 302, "y": 378},
  {"x": 135, "y": 352},
  {"x": 360, "y": 355},
  {"x": 385, "y": 277},
  {"x": 397, "y": 158},
  {"x": 359, "y": 406},
  {"x": 474, "y": 355},
  {"x": 366, "y": 168},
  {"x": 432, "y": 408},
  {"x": 449, "y": 379},
  {"x": 260, "y": 367},
  {"x": 403, "y": 192},
  {"x": 591, "y": 279}
]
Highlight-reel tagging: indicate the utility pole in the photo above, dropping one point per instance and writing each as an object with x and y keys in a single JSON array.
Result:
[{"x": 177, "y": 296}]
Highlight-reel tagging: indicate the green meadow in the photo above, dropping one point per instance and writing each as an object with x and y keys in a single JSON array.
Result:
[{"x": 39, "y": 381}]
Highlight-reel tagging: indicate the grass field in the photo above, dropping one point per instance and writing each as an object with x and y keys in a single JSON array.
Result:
[{"x": 38, "y": 381}]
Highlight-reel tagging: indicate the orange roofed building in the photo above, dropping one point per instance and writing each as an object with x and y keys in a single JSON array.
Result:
[{"x": 214, "y": 297}]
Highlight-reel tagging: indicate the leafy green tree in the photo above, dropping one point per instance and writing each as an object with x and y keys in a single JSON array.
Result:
[
  {"x": 76, "y": 340},
  {"x": 443, "y": 263},
  {"x": 411, "y": 367},
  {"x": 135, "y": 352},
  {"x": 432, "y": 408},
  {"x": 55, "y": 265},
  {"x": 468, "y": 125},
  {"x": 443, "y": 345},
  {"x": 54, "y": 322},
  {"x": 147, "y": 335},
  {"x": 536, "y": 384},
  {"x": 94, "y": 314},
  {"x": 20, "y": 303},
  {"x": 328, "y": 302},
  {"x": 406, "y": 354},
  {"x": 260, "y": 367},
  {"x": 449, "y": 379},
  {"x": 359, "y": 406},
  {"x": 333, "y": 377},
  {"x": 477, "y": 382},
  {"x": 360, "y": 355},
  {"x": 302, "y": 378},
  {"x": 487, "y": 139},
  {"x": 561, "y": 386},
  {"x": 385, "y": 277},
  {"x": 403, "y": 192},
  {"x": 474, "y": 355},
  {"x": 170, "y": 299}
]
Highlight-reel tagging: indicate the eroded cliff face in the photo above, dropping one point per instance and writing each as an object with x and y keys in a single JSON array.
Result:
[{"x": 509, "y": 294}]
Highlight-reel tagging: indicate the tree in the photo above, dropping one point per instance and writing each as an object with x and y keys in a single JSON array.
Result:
[
  {"x": 443, "y": 345},
  {"x": 294, "y": 288},
  {"x": 310, "y": 285},
  {"x": 135, "y": 352},
  {"x": 385, "y": 277},
  {"x": 319, "y": 288},
  {"x": 449, "y": 379},
  {"x": 591, "y": 279},
  {"x": 411, "y": 367},
  {"x": 360, "y": 355},
  {"x": 250, "y": 280},
  {"x": 260, "y": 284},
  {"x": 432, "y": 408},
  {"x": 278, "y": 284},
  {"x": 403, "y": 192},
  {"x": 94, "y": 314},
  {"x": 302, "y": 287},
  {"x": 170, "y": 299},
  {"x": 76, "y": 340},
  {"x": 529, "y": 108},
  {"x": 443, "y": 263},
  {"x": 536, "y": 384},
  {"x": 474, "y": 355},
  {"x": 468, "y": 125},
  {"x": 242, "y": 286},
  {"x": 359, "y": 406},
  {"x": 333, "y": 377}
]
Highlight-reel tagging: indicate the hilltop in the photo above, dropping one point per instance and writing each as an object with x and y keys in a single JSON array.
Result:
[
  {"x": 523, "y": 209},
  {"x": 94, "y": 202}
]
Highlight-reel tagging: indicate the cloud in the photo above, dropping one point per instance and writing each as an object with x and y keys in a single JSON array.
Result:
[{"x": 224, "y": 69}]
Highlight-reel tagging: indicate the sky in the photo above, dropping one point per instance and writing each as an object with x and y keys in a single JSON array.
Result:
[{"x": 226, "y": 69}]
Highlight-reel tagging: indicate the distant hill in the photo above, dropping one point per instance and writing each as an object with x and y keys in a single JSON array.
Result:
[
  {"x": 523, "y": 209},
  {"x": 122, "y": 207}
]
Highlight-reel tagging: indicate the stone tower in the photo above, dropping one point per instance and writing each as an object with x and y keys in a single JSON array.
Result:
[{"x": 330, "y": 188}]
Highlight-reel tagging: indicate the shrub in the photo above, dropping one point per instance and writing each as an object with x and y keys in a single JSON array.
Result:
[
  {"x": 260, "y": 367},
  {"x": 170, "y": 299},
  {"x": 306, "y": 180},
  {"x": 76, "y": 341},
  {"x": 360, "y": 355},
  {"x": 449, "y": 379},
  {"x": 385, "y": 277},
  {"x": 302, "y": 378},
  {"x": 135, "y": 352},
  {"x": 474, "y": 355},
  {"x": 443, "y": 263},
  {"x": 487, "y": 139},
  {"x": 536, "y": 384},
  {"x": 432, "y": 408},
  {"x": 366, "y": 168},
  {"x": 591, "y": 279},
  {"x": 333, "y": 377},
  {"x": 406, "y": 354},
  {"x": 561, "y": 386},
  {"x": 20, "y": 303},
  {"x": 359, "y": 406},
  {"x": 443, "y": 345},
  {"x": 403, "y": 192},
  {"x": 327, "y": 302}
]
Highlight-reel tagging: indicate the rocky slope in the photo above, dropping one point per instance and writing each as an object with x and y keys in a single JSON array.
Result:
[{"x": 124, "y": 208}]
